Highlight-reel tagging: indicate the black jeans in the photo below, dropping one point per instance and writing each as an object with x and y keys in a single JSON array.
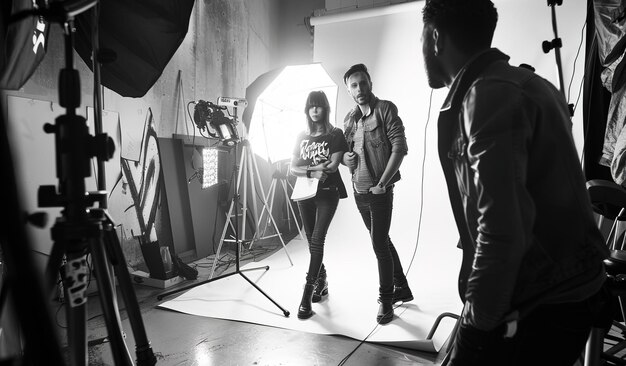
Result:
[
  {"x": 376, "y": 212},
  {"x": 553, "y": 335},
  {"x": 317, "y": 213}
]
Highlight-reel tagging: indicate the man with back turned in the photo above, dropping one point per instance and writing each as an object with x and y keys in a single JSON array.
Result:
[{"x": 532, "y": 274}]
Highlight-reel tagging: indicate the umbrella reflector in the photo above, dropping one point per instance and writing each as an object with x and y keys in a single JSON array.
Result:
[{"x": 279, "y": 115}]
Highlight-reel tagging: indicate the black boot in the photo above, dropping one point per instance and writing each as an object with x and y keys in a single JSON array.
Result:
[
  {"x": 305, "y": 311},
  {"x": 385, "y": 312},
  {"x": 321, "y": 287},
  {"x": 402, "y": 293}
]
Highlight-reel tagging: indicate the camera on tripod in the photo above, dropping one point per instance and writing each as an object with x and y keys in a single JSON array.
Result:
[{"x": 210, "y": 117}]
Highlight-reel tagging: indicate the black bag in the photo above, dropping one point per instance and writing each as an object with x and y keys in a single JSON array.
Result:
[{"x": 185, "y": 270}]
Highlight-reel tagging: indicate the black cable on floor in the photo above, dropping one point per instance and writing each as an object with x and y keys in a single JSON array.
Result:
[
  {"x": 419, "y": 221},
  {"x": 345, "y": 359},
  {"x": 419, "y": 226}
]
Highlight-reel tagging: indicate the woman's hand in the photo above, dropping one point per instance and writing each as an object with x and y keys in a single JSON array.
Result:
[
  {"x": 319, "y": 174},
  {"x": 350, "y": 159}
]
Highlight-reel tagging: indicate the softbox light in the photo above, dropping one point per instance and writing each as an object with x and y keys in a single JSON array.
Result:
[
  {"x": 144, "y": 34},
  {"x": 278, "y": 112},
  {"x": 23, "y": 43}
]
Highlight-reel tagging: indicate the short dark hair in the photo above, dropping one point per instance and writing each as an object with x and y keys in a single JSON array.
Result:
[
  {"x": 470, "y": 23},
  {"x": 354, "y": 69}
]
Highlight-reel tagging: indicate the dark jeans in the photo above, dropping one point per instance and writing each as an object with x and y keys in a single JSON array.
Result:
[
  {"x": 317, "y": 213},
  {"x": 376, "y": 212},
  {"x": 553, "y": 335}
]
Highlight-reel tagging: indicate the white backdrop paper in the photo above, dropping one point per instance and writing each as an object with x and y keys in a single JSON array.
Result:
[{"x": 387, "y": 40}]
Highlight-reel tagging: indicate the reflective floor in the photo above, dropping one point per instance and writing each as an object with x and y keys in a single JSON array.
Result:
[{"x": 182, "y": 339}]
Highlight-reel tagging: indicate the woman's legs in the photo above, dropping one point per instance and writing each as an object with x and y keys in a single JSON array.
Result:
[{"x": 317, "y": 214}]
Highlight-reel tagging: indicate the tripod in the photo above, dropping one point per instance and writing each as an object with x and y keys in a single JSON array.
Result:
[
  {"x": 238, "y": 242},
  {"x": 83, "y": 231},
  {"x": 20, "y": 278},
  {"x": 279, "y": 177},
  {"x": 248, "y": 161}
]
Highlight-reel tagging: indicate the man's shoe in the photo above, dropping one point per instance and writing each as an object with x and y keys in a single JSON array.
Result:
[
  {"x": 402, "y": 294},
  {"x": 385, "y": 312}
]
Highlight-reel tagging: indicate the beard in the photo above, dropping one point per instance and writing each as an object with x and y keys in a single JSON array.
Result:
[
  {"x": 434, "y": 71},
  {"x": 363, "y": 98}
]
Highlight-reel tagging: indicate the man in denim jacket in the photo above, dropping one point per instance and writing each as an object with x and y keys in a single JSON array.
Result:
[
  {"x": 375, "y": 133},
  {"x": 532, "y": 274}
]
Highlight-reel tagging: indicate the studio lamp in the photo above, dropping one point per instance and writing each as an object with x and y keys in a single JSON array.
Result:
[
  {"x": 210, "y": 117},
  {"x": 209, "y": 167}
]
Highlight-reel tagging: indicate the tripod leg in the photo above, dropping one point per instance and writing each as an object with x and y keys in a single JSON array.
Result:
[
  {"x": 75, "y": 275},
  {"x": 244, "y": 191},
  {"x": 268, "y": 197},
  {"x": 281, "y": 238},
  {"x": 52, "y": 267},
  {"x": 76, "y": 329},
  {"x": 109, "y": 307},
  {"x": 237, "y": 171},
  {"x": 219, "y": 247},
  {"x": 251, "y": 163},
  {"x": 143, "y": 351},
  {"x": 271, "y": 207},
  {"x": 285, "y": 312},
  {"x": 256, "y": 168}
]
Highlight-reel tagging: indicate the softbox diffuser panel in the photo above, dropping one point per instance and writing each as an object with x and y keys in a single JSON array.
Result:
[
  {"x": 278, "y": 111},
  {"x": 144, "y": 34}
]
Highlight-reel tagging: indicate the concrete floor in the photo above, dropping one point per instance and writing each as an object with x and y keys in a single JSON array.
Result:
[{"x": 182, "y": 339}]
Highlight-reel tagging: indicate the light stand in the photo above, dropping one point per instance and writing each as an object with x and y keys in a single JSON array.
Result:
[
  {"x": 556, "y": 44},
  {"x": 83, "y": 230},
  {"x": 238, "y": 242},
  {"x": 279, "y": 177}
]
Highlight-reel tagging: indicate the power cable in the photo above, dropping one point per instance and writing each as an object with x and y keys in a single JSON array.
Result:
[
  {"x": 345, "y": 359},
  {"x": 419, "y": 222},
  {"x": 419, "y": 226}
]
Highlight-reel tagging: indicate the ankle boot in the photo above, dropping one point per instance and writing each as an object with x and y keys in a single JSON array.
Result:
[
  {"x": 305, "y": 311},
  {"x": 385, "y": 312},
  {"x": 402, "y": 293},
  {"x": 321, "y": 287}
]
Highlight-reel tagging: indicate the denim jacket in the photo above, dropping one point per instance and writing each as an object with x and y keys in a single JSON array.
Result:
[
  {"x": 384, "y": 134},
  {"x": 517, "y": 192}
]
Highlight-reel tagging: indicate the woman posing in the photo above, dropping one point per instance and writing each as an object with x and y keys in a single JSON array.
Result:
[{"x": 317, "y": 154}]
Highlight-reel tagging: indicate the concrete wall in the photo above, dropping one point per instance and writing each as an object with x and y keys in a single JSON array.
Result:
[{"x": 228, "y": 45}]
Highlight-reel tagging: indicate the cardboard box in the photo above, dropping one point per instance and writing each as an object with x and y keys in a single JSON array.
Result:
[{"x": 143, "y": 278}]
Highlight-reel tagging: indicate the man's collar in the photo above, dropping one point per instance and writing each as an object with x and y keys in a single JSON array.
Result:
[
  {"x": 356, "y": 111},
  {"x": 469, "y": 72}
]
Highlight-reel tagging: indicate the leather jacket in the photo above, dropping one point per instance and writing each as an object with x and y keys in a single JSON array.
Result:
[
  {"x": 517, "y": 192},
  {"x": 384, "y": 134}
]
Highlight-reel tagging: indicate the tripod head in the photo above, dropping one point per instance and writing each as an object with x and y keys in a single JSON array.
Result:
[{"x": 74, "y": 145}]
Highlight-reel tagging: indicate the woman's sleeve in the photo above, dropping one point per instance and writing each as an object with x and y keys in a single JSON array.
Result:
[{"x": 338, "y": 142}]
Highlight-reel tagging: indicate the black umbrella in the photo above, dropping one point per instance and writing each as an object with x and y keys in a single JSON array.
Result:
[{"x": 143, "y": 34}]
